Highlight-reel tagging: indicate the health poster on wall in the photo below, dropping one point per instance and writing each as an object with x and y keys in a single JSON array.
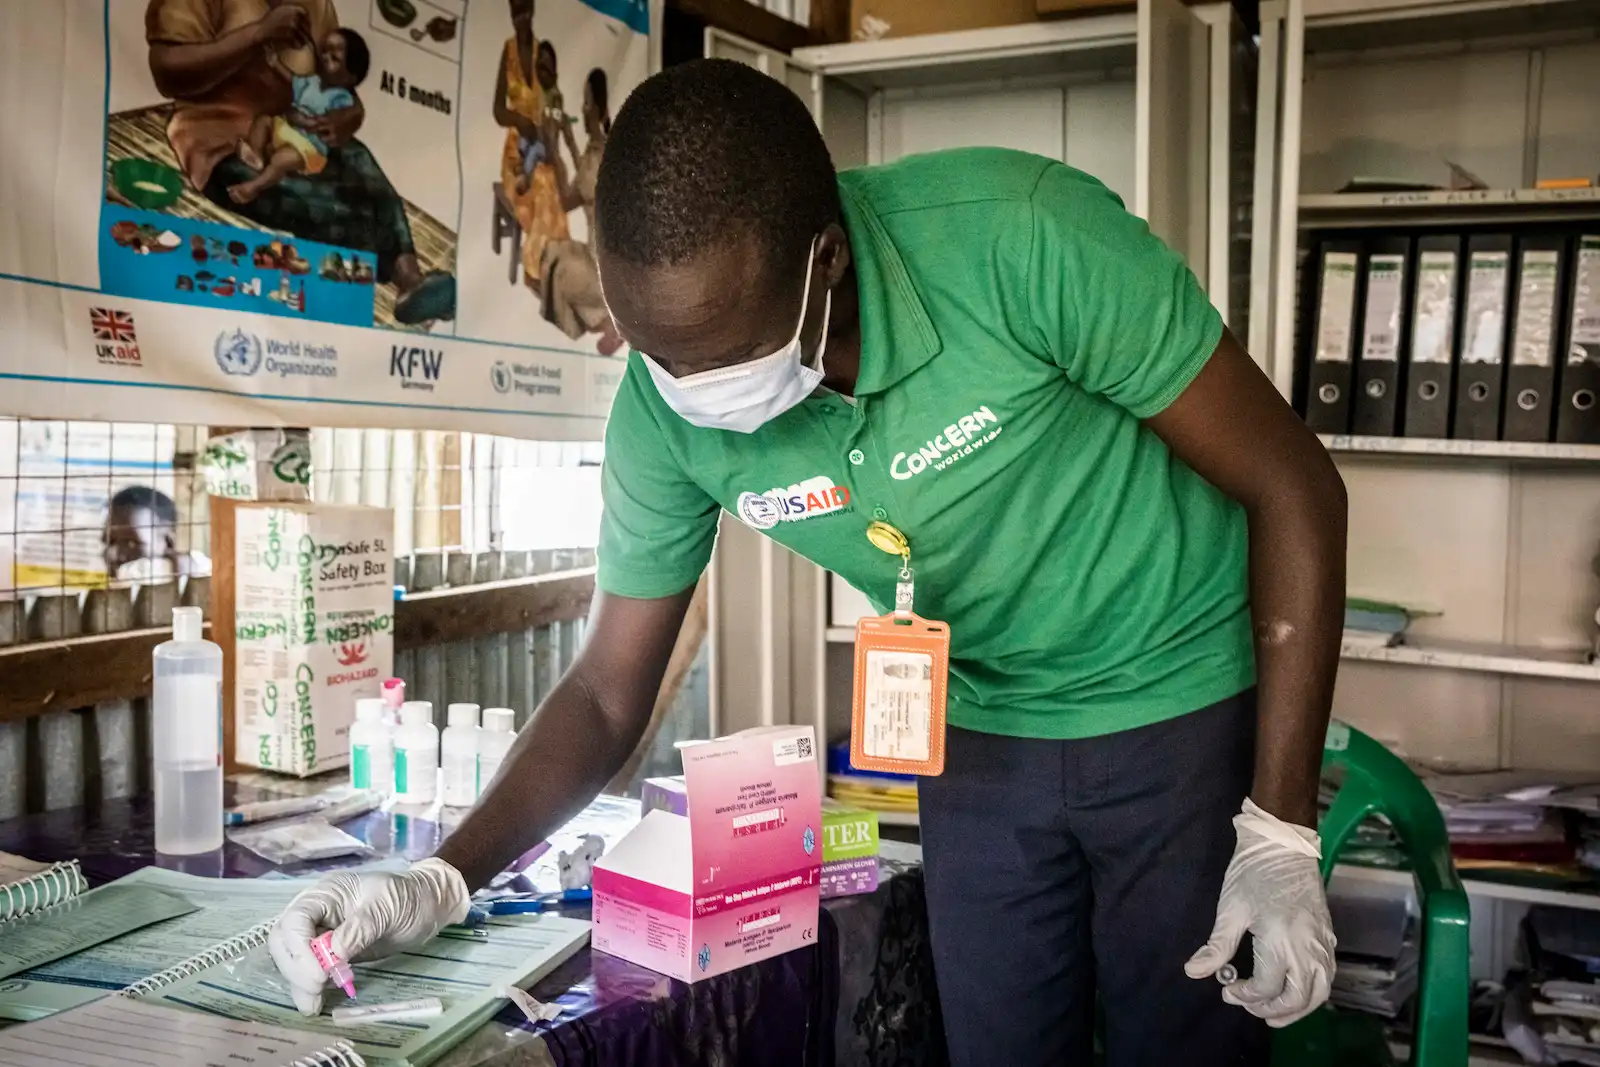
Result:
[{"x": 329, "y": 212}]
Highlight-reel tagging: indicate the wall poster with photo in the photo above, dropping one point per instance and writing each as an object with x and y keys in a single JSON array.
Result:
[{"x": 351, "y": 212}]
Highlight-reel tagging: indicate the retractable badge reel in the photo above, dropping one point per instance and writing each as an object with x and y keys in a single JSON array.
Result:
[{"x": 897, "y": 721}]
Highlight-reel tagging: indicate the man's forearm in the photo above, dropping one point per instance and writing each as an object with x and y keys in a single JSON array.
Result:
[
  {"x": 1297, "y": 586},
  {"x": 560, "y": 761}
]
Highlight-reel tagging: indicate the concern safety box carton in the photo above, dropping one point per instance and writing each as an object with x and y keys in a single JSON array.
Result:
[{"x": 313, "y": 629}]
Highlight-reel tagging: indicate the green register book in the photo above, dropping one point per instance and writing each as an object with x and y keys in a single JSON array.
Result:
[{"x": 235, "y": 981}]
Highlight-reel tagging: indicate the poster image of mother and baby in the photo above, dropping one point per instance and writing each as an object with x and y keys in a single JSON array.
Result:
[
  {"x": 261, "y": 130},
  {"x": 540, "y": 190}
]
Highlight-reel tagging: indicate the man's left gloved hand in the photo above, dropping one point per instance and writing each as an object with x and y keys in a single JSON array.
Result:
[{"x": 1273, "y": 889}]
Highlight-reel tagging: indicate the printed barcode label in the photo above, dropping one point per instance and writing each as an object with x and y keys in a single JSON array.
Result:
[{"x": 793, "y": 750}]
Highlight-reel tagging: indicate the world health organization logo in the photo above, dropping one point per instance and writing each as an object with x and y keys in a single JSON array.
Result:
[
  {"x": 500, "y": 377},
  {"x": 238, "y": 352}
]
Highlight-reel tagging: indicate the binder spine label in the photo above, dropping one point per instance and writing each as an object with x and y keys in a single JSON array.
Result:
[
  {"x": 1586, "y": 304},
  {"x": 1336, "y": 309},
  {"x": 1536, "y": 306},
  {"x": 1486, "y": 307},
  {"x": 1434, "y": 328},
  {"x": 1380, "y": 335}
]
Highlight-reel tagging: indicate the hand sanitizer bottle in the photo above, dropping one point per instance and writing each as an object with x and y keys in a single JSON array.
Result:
[{"x": 186, "y": 738}]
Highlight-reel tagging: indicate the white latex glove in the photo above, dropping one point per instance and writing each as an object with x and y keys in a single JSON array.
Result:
[
  {"x": 371, "y": 915},
  {"x": 1273, "y": 889}
]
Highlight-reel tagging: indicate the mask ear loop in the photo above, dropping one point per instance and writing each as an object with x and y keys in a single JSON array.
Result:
[{"x": 822, "y": 340}]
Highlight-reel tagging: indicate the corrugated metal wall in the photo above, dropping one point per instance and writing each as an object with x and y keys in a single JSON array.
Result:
[
  {"x": 62, "y": 759},
  {"x": 67, "y": 758}
]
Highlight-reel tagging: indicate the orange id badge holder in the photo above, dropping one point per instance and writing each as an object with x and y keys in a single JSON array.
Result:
[{"x": 897, "y": 720}]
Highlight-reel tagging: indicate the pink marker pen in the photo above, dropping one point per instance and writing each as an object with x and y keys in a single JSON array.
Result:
[{"x": 334, "y": 967}]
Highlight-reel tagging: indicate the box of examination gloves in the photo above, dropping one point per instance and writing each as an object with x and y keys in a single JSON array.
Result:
[
  {"x": 313, "y": 629},
  {"x": 849, "y": 837},
  {"x": 733, "y": 880}
]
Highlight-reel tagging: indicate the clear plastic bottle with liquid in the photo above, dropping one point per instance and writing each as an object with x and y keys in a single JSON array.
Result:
[{"x": 186, "y": 738}]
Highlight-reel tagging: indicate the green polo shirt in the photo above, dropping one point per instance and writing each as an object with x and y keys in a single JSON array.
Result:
[{"x": 1016, "y": 325}]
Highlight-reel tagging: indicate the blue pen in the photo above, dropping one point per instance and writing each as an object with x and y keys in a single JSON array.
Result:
[{"x": 545, "y": 903}]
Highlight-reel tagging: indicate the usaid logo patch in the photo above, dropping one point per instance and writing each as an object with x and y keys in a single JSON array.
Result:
[{"x": 803, "y": 500}]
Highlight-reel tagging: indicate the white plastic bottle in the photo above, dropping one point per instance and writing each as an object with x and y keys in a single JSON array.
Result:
[
  {"x": 371, "y": 749},
  {"x": 459, "y": 754},
  {"x": 186, "y": 738},
  {"x": 493, "y": 743},
  {"x": 416, "y": 754}
]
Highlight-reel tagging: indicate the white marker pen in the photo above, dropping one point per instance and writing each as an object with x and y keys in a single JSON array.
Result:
[
  {"x": 262, "y": 810},
  {"x": 399, "y": 1011}
]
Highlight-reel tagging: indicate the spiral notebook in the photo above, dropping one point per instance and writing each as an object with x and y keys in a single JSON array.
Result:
[
  {"x": 237, "y": 981},
  {"x": 121, "y": 1032},
  {"x": 28, "y": 885}
]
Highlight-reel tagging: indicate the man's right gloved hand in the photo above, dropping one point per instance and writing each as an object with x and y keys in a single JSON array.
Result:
[{"x": 371, "y": 916}]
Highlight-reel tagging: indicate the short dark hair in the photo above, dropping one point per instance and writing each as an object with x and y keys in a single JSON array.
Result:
[
  {"x": 357, "y": 56},
  {"x": 708, "y": 147},
  {"x": 546, "y": 46},
  {"x": 154, "y": 501}
]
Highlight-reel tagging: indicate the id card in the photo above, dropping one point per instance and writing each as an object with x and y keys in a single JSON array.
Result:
[{"x": 897, "y": 720}]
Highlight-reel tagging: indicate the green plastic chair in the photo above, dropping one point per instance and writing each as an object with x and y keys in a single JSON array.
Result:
[{"x": 1376, "y": 781}]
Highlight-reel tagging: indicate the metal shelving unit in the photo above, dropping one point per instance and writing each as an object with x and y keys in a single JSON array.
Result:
[
  {"x": 1516, "y": 451},
  {"x": 1576, "y": 666}
]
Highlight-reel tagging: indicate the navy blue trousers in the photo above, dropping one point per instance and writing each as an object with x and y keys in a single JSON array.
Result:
[{"x": 1059, "y": 870}]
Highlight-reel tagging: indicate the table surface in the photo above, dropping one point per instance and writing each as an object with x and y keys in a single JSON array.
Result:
[{"x": 781, "y": 1011}]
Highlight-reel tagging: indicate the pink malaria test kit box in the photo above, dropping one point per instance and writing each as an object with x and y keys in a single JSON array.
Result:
[{"x": 736, "y": 880}]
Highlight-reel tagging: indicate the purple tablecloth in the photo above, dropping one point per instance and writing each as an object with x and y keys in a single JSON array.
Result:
[{"x": 862, "y": 997}]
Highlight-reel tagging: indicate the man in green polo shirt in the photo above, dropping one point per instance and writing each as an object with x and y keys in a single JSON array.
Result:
[{"x": 1137, "y": 546}]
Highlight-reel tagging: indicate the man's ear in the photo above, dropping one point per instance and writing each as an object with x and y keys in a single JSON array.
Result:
[{"x": 833, "y": 253}]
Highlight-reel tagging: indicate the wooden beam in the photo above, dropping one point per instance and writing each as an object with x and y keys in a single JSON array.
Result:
[
  {"x": 76, "y": 673},
  {"x": 447, "y": 615},
  {"x": 748, "y": 21},
  {"x": 55, "y": 675},
  {"x": 830, "y": 21}
]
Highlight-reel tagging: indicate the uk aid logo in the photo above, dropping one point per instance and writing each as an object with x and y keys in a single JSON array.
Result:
[{"x": 809, "y": 499}]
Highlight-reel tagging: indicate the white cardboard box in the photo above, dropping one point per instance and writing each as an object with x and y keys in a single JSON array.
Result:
[{"x": 313, "y": 629}]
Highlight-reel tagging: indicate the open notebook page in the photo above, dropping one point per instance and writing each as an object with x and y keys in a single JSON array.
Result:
[
  {"x": 517, "y": 950},
  {"x": 119, "y": 1032}
]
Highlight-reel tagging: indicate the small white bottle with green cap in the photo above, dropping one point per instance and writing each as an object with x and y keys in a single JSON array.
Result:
[{"x": 371, "y": 749}]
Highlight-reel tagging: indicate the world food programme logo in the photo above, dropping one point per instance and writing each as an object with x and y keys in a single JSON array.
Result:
[
  {"x": 703, "y": 957},
  {"x": 759, "y": 512},
  {"x": 238, "y": 352},
  {"x": 500, "y": 377},
  {"x": 809, "y": 840}
]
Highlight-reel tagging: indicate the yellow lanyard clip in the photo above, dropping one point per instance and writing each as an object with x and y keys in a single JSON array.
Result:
[{"x": 887, "y": 539}]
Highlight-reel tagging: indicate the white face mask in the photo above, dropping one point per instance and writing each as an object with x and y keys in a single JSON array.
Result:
[{"x": 745, "y": 396}]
